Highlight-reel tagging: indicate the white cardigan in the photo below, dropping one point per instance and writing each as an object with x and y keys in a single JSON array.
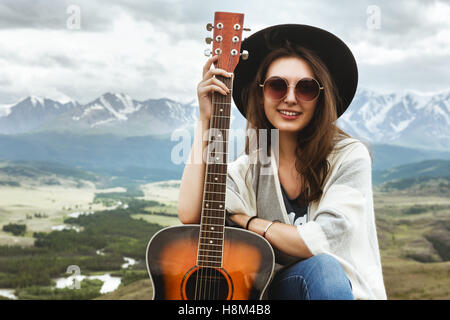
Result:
[{"x": 341, "y": 223}]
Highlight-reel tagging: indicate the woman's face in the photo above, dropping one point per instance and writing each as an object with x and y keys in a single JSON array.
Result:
[{"x": 292, "y": 69}]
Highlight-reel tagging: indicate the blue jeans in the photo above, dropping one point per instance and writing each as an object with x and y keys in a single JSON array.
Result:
[{"x": 320, "y": 277}]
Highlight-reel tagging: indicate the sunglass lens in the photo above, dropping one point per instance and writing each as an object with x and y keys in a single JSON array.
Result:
[
  {"x": 275, "y": 88},
  {"x": 307, "y": 89}
]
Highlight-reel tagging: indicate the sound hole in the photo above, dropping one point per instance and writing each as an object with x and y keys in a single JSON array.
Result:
[{"x": 207, "y": 284}]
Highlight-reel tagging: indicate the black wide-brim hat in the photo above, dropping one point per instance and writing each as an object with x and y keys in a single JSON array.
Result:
[{"x": 331, "y": 50}]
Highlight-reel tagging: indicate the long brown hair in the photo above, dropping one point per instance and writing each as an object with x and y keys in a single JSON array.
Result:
[{"x": 318, "y": 139}]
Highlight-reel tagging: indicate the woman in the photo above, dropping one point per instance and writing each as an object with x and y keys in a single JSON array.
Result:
[{"x": 313, "y": 199}]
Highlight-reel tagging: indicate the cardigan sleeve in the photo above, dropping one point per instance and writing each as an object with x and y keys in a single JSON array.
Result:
[{"x": 343, "y": 207}]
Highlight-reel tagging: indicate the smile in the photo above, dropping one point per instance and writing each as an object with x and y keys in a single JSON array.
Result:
[{"x": 289, "y": 113}]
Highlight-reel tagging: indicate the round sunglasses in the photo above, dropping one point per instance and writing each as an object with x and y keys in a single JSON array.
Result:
[{"x": 306, "y": 89}]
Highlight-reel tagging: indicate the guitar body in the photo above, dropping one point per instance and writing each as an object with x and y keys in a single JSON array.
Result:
[
  {"x": 247, "y": 266},
  {"x": 211, "y": 261}
]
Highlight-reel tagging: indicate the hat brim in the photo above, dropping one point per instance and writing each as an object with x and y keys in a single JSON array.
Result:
[{"x": 331, "y": 50}]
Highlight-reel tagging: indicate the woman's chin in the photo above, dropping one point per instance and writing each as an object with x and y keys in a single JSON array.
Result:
[{"x": 289, "y": 128}]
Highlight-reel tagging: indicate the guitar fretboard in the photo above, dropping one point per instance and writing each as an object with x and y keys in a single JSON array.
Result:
[{"x": 212, "y": 224}]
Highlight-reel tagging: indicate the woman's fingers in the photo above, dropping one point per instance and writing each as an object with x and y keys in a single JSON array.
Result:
[
  {"x": 208, "y": 64},
  {"x": 207, "y": 89},
  {"x": 208, "y": 72},
  {"x": 216, "y": 72},
  {"x": 217, "y": 82}
]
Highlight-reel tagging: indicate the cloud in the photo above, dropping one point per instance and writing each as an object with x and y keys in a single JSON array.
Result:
[{"x": 154, "y": 49}]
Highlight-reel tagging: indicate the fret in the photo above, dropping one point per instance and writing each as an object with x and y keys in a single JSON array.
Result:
[
  {"x": 217, "y": 123},
  {"x": 209, "y": 244},
  {"x": 213, "y": 233},
  {"x": 215, "y": 192},
  {"x": 211, "y": 236},
  {"x": 209, "y": 250},
  {"x": 215, "y": 160},
  {"x": 218, "y": 179},
  {"x": 208, "y": 259},
  {"x": 221, "y": 222},
  {"x": 218, "y": 165},
  {"x": 227, "y": 103},
  {"x": 208, "y": 196},
  {"x": 213, "y": 170},
  {"x": 215, "y": 143},
  {"x": 211, "y": 241},
  {"x": 208, "y": 256},
  {"x": 217, "y": 217},
  {"x": 213, "y": 215},
  {"x": 213, "y": 224},
  {"x": 211, "y": 191},
  {"x": 219, "y": 152},
  {"x": 218, "y": 173},
  {"x": 212, "y": 209},
  {"x": 217, "y": 183},
  {"x": 214, "y": 130},
  {"x": 215, "y": 201},
  {"x": 208, "y": 264},
  {"x": 212, "y": 174},
  {"x": 214, "y": 227}
]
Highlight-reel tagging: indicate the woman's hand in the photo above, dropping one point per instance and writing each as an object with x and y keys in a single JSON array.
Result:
[{"x": 208, "y": 85}]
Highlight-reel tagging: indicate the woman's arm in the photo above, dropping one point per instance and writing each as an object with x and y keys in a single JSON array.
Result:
[
  {"x": 282, "y": 236},
  {"x": 191, "y": 188}
]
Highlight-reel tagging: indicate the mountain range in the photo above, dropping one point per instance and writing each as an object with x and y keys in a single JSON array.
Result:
[
  {"x": 111, "y": 113},
  {"x": 406, "y": 119}
]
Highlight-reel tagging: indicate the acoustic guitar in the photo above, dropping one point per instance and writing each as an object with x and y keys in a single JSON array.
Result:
[{"x": 212, "y": 261}]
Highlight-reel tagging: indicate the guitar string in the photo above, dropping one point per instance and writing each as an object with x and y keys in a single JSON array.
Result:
[
  {"x": 221, "y": 106},
  {"x": 226, "y": 107},
  {"x": 199, "y": 271},
  {"x": 210, "y": 278},
  {"x": 225, "y": 135}
]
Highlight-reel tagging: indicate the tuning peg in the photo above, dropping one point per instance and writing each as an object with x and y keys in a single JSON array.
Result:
[
  {"x": 208, "y": 40},
  {"x": 246, "y": 29},
  {"x": 244, "y": 54},
  {"x": 207, "y": 52},
  {"x": 209, "y": 26}
]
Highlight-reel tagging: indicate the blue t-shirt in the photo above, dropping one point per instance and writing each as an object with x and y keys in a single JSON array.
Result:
[{"x": 295, "y": 211}]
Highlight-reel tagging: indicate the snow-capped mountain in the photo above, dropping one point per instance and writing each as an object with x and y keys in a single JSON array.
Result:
[
  {"x": 115, "y": 113},
  {"x": 119, "y": 114},
  {"x": 30, "y": 113},
  {"x": 405, "y": 119}
]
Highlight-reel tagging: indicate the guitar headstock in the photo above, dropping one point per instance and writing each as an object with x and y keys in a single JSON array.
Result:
[{"x": 227, "y": 39}]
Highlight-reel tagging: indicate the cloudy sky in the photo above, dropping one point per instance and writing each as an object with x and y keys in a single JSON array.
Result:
[{"x": 154, "y": 48}]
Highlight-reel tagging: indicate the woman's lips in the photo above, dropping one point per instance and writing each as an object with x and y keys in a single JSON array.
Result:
[{"x": 289, "y": 115}]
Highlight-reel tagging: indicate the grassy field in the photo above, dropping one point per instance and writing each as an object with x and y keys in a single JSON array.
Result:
[
  {"x": 164, "y": 191},
  {"x": 412, "y": 232},
  {"x": 406, "y": 279},
  {"x": 42, "y": 207}
]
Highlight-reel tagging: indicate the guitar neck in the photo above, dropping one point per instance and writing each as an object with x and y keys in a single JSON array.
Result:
[{"x": 212, "y": 224}]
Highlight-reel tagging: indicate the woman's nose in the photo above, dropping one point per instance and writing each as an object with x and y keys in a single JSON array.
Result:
[{"x": 290, "y": 95}]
